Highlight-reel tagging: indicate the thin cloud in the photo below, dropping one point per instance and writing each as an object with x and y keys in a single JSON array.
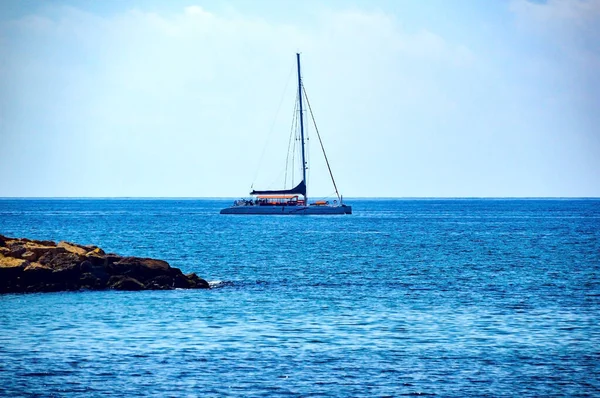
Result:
[{"x": 152, "y": 104}]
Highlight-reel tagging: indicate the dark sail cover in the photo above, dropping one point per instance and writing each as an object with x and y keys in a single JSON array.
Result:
[{"x": 299, "y": 189}]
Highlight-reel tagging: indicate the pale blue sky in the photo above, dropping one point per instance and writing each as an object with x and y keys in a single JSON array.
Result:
[{"x": 412, "y": 98}]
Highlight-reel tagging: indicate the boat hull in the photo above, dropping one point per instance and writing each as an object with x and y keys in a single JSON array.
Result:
[{"x": 288, "y": 210}]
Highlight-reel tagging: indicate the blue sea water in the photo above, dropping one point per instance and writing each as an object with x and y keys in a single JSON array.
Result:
[{"x": 404, "y": 297}]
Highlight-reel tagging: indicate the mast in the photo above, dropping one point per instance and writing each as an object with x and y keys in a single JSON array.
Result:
[{"x": 301, "y": 125}]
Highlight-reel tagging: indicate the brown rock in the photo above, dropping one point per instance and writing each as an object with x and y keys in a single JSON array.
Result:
[
  {"x": 59, "y": 260},
  {"x": 120, "y": 282},
  {"x": 35, "y": 267},
  {"x": 46, "y": 287},
  {"x": 190, "y": 281},
  {"x": 40, "y": 242},
  {"x": 181, "y": 282},
  {"x": 73, "y": 248},
  {"x": 161, "y": 282},
  {"x": 10, "y": 271},
  {"x": 69, "y": 273},
  {"x": 29, "y": 256},
  {"x": 35, "y": 274},
  {"x": 149, "y": 263},
  {"x": 142, "y": 269},
  {"x": 174, "y": 272},
  {"x": 197, "y": 282},
  {"x": 12, "y": 262},
  {"x": 13, "y": 242},
  {"x": 86, "y": 266},
  {"x": 16, "y": 251},
  {"x": 96, "y": 259},
  {"x": 112, "y": 258},
  {"x": 90, "y": 281},
  {"x": 98, "y": 271},
  {"x": 38, "y": 266},
  {"x": 96, "y": 252},
  {"x": 41, "y": 250}
]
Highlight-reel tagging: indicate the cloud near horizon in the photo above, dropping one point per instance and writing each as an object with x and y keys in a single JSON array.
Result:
[{"x": 140, "y": 103}]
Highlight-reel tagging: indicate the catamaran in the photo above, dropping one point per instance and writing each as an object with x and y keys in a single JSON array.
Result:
[{"x": 294, "y": 200}]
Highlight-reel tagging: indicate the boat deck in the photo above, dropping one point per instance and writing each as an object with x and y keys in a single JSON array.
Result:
[{"x": 288, "y": 210}]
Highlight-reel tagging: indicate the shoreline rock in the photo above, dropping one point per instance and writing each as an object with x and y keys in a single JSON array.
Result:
[{"x": 28, "y": 265}]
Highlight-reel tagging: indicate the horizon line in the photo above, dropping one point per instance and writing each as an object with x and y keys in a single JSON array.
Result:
[{"x": 237, "y": 197}]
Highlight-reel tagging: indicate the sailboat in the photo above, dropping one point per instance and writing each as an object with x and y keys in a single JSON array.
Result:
[{"x": 294, "y": 200}]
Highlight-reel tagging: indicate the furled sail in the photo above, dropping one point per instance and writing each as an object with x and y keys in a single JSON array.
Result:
[{"x": 299, "y": 189}]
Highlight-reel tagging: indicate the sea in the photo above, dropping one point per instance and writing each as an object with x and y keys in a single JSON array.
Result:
[{"x": 439, "y": 297}]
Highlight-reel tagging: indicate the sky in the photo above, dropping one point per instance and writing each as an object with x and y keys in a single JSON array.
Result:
[{"x": 195, "y": 99}]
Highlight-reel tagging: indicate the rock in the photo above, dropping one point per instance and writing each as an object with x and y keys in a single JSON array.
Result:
[
  {"x": 161, "y": 282},
  {"x": 11, "y": 270},
  {"x": 36, "y": 274},
  {"x": 29, "y": 256},
  {"x": 95, "y": 259},
  {"x": 189, "y": 281},
  {"x": 42, "y": 266},
  {"x": 73, "y": 248},
  {"x": 51, "y": 287},
  {"x": 112, "y": 258},
  {"x": 12, "y": 262},
  {"x": 95, "y": 265},
  {"x": 86, "y": 266},
  {"x": 16, "y": 251},
  {"x": 142, "y": 269},
  {"x": 90, "y": 281},
  {"x": 40, "y": 250},
  {"x": 10, "y": 243},
  {"x": 39, "y": 242},
  {"x": 35, "y": 267},
  {"x": 60, "y": 260},
  {"x": 67, "y": 272},
  {"x": 120, "y": 282},
  {"x": 95, "y": 251},
  {"x": 45, "y": 242},
  {"x": 197, "y": 282},
  {"x": 100, "y": 273},
  {"x": 181, "y": 282}
]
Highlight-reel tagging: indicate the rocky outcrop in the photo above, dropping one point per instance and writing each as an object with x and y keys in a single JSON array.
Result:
[{"x": 44, "y": 266}]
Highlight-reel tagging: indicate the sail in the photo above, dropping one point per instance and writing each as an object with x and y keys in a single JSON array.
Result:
[{"x": 299, "y": 189}]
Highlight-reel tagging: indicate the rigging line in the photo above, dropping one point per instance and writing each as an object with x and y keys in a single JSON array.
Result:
[
  {"x": 287, "y": 157},
  {"x": 328, "y": 196},
  {"x": 275, "y": 182},
  {"x": 307, "y": 148},
  {"x": 294, "y": 147},
  {"x": 307, "y": 151},
  {"x": 320, "y": 142},
  {"x": 301, "y": 146},
  {"x": 262, "y": 155}
]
